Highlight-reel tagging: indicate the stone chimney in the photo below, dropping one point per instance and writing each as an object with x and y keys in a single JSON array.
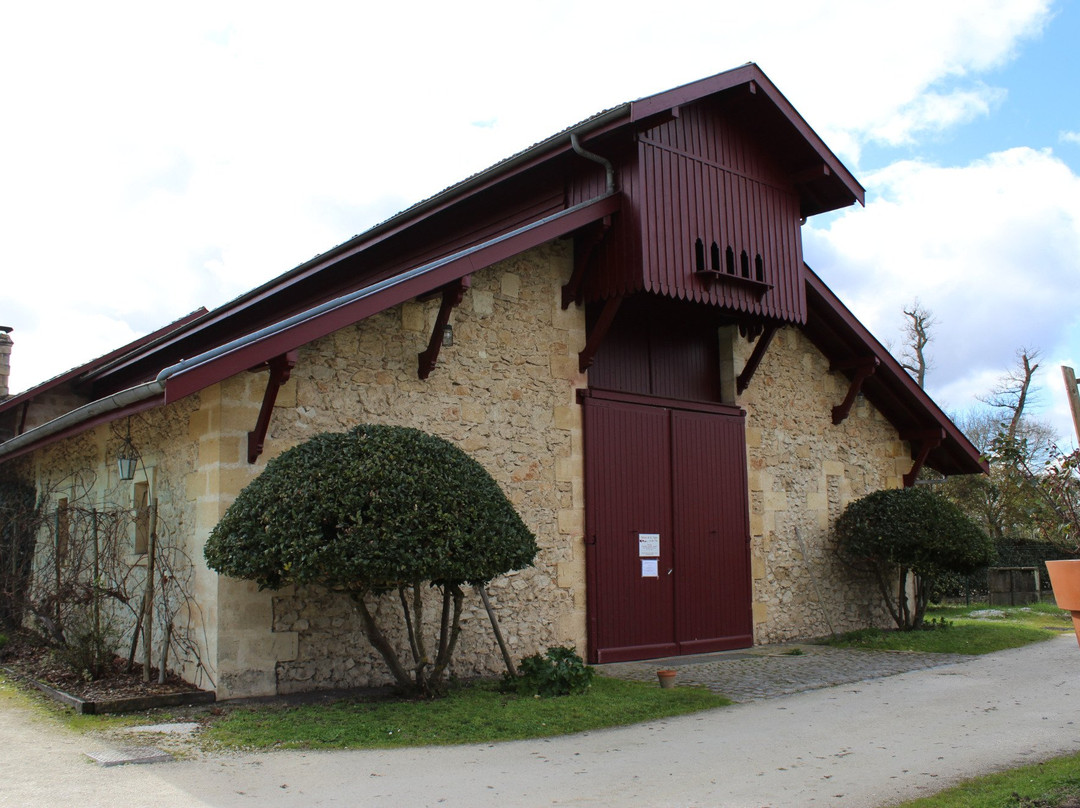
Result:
[{"x": 5, "y": 361}]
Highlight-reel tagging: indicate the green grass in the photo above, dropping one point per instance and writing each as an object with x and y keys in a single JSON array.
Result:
[
  {"x": 9, "y": 693},
  {"x": 481, "y": 714},
  {"x": 957, "y": 632},
  {"x": 473, "y": 714},
  {"x": 1053, "y": 784},
  {"x": 16, "y": 695}
]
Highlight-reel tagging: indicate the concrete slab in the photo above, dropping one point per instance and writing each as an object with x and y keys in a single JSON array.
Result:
[
  {"x": 175, "y": 728},
  {"x": 132, "y": 754}
]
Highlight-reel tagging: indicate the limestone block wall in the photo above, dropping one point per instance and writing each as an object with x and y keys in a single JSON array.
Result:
[
  {"x": 240, "y": 640},
  {"x": 504, "y": 392},
  {"x": 82, "y": 470},
  {"x": 803, "y": 471}
]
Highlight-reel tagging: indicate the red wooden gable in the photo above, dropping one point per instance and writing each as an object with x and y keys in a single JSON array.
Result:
[{"x": 710, "y": 216}]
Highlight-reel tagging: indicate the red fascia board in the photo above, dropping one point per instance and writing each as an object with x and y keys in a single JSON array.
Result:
[
  {"x": 966, "y": 454},
  {"x": 249, "y": 355},
  {"x": 92, "y": 365},
  {"x": 90, "y": 423},
  {"x": 694, "y": 91}
]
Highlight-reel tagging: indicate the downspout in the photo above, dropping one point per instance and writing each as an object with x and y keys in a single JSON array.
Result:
[{"x": 609, "y": 169}]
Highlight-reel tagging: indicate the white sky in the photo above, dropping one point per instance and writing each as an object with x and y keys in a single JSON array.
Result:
[{"x": 155, "y": 158}]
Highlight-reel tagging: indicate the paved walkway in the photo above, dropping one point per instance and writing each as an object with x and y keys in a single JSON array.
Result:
[
  {"x": 779, "y": 670},
  {"x": 866, "y": 744}
]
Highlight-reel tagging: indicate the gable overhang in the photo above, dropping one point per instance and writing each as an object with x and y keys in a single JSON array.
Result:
[
  {"x": 195, "y": 374},
  {"x": 847, "y": 343},
  {"x": 824, "y": 183}
]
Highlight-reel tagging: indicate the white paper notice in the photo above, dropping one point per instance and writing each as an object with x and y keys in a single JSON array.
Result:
[
  {"x": 650, "y": 568},
  {"x": 648, "y": 545}
]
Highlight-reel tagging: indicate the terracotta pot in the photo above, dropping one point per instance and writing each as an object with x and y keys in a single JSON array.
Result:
[
  {"x": 1065, "y": 580},
  {"x": 667, "y": 678}
]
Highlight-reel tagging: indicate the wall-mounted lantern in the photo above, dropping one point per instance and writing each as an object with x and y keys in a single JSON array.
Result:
[
  {"x": 447, "y": 335},
  {"x": 127, "y": 458}
]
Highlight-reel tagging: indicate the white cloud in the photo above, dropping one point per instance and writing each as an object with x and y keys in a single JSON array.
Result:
[
  {"x": 934, "y": 112},
  {"x": 992, "y": 248},
  {"x": 1069, "y": 137}
]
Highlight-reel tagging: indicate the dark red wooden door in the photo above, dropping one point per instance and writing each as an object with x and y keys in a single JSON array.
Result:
[
  {"x": 627, "y": 495},
  {"x": 710, "y": 533},
  {"x": 679, "y": 475}
]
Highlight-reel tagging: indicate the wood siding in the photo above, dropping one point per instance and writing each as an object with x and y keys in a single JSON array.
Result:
[
  {"x": 660, "y": 347},
  {"x": 710, "y": 217}
]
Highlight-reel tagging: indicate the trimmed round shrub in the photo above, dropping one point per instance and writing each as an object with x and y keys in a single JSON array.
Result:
[
  {"x": 894, "y": 532},
  {"x": 377, "y": 509},
  {"x": 371, "y": 508}
]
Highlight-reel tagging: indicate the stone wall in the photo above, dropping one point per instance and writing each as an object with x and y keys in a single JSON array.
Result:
[
  {"x": 504, "y": 393},
  {"x": 82, "y": 471},
  {"x": 803, "y": 471}
]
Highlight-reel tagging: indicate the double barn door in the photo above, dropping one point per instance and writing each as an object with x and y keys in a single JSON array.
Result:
[{"x": 667, "y": 529}]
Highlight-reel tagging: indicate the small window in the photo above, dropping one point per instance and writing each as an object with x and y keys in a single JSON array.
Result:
[
  {"x": 142, "y": 517},
  {"x": 699, "y": 255}
]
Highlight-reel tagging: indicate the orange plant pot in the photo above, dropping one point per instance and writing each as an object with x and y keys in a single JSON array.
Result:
[
  {"x": 1065, "y": 580},
  {"x": 667, "y": 678}
]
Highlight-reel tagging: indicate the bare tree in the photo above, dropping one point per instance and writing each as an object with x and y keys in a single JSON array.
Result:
[
  {"x": 1013, "y": 391},
  {"x": 917, "y": 335}
]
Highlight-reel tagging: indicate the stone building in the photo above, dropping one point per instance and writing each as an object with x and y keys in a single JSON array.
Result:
[{"x": 617, "y": 323}]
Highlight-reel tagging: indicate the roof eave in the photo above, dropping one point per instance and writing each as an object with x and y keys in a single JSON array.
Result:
[
  {"x": 747, "y": 74},
  {"x": 545, "y": 150},
  {"x": 956, "y": 453}
]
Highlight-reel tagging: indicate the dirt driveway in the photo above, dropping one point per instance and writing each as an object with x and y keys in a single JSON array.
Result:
[{"x": 865, "y": 744}]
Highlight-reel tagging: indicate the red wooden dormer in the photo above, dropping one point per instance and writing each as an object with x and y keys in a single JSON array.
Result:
[{"x": 716, "y": 177}]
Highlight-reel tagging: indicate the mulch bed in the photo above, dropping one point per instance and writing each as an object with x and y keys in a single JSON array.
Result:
[{"x": 116, "y": 691}]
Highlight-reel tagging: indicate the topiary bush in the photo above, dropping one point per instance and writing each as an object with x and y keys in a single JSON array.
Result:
[
  {"x": 559, "y": 672},
  {"x": 370, "y": 511},
  {"x": 894, "y": 533}
]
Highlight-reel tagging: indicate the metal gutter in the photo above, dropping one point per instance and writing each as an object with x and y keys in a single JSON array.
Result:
[
  {"x": 369, "y": 291},
  {"x": 594, "y": 125},
  {"x": 87, "y": 412},
  {"x": 143, "y": 392}
]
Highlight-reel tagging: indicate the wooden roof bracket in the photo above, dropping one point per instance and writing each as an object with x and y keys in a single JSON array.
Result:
[
  {"x": 864, "y": 369},
  {"x": 752, "y": 363},
  {"x": 452, "y": 294},
  {"x": 280, "y": 370},
  {"x": 927, "y": 440},
  {"x": 598, "y": 332},
  {"x": 584, "y": 255}
]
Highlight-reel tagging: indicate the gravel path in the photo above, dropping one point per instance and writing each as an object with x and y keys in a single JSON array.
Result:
[{"x": 780, "y": 670}]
